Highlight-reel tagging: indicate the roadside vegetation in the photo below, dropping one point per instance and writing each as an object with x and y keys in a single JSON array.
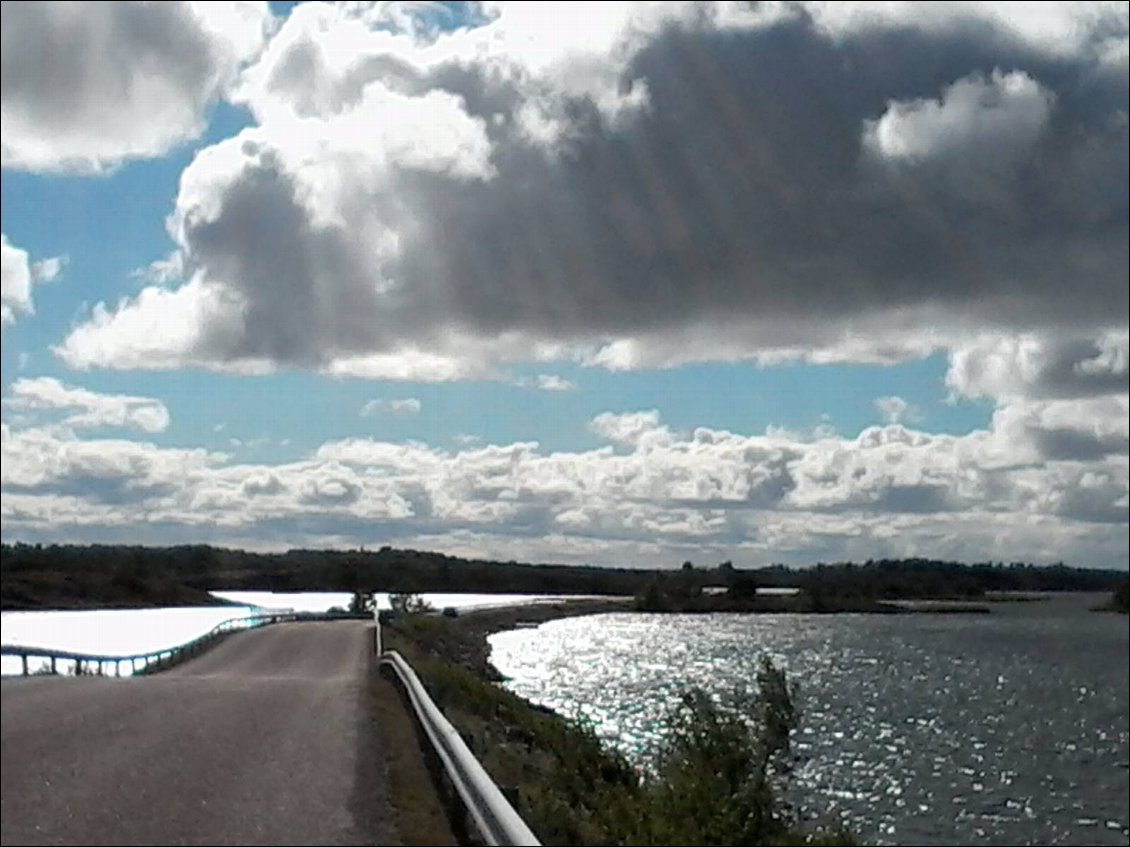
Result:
[
  {"x": 717, "y": 779},
  {"x": 420, "y": 817}
]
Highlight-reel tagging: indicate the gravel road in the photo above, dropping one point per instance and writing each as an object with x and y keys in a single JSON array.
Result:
[{"x": 266, "y": 739}]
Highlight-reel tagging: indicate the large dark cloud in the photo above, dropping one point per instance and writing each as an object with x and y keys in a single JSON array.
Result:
[
  {"x": 783, "y": 186},
  {"x": 742, "y": 191}
]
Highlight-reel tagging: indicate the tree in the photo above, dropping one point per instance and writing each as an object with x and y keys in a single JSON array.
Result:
[
  {"x": 362, "y": 603},
  {"x": 1121, "y": 599},
  {"x": 408, "y": 604},
  {"x": 744, "y": 586}
]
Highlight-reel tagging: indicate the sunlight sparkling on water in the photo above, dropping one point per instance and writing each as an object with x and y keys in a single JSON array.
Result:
[{"x": 1007, "y": 728}]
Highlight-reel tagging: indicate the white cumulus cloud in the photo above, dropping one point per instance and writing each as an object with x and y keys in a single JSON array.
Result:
[
  {"x": 89, "y": 408},
  {"x": 896, "y": 410},
  {"x": 545, "y": 186},
  {"x": 397, "y": 406},
  {"x": 1046, "y": 485},
  {"x": 1006, "y": 365},
  {"x": 995, "y": 117},
  {"x": 17, "y": 277},
  {"x": 89, "y": 85}
]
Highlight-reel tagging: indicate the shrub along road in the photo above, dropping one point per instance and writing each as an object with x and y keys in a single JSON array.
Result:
[{"x": 267, "y": 739}]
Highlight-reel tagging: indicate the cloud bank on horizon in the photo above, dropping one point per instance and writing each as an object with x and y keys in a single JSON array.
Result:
[{"x": 626, "y": 187}]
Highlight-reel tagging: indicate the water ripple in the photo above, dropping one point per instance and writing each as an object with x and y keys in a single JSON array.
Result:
[{"x": 1008, "y": 728}]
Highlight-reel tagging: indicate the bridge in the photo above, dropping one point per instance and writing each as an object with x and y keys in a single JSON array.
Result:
[{"x": 268, "y": 737}]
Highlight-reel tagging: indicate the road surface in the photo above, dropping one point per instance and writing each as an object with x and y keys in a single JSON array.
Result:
[{"x": 266, "y": 739}]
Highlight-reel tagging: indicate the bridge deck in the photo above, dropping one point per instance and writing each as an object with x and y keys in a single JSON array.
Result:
[{"x": 266, "y": 739}]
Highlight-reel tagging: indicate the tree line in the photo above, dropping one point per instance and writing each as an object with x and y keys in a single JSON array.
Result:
[{"x": 65, "y": 575}]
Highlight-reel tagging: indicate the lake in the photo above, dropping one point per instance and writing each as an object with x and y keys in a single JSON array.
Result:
[
  {"x": 1005, "y": 728},
  {"x": 124, "y": 632}
]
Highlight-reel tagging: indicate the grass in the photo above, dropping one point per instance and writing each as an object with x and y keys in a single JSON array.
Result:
[
  {"x": 419, "y": 813},
  {"x": 715, "y": 782}
]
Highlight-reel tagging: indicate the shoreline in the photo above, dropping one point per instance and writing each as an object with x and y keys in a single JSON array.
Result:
[
  {"x": 474, "y": 627},
  {"x": 568, "y": 785},
  {"x": 477, "y": 625}
]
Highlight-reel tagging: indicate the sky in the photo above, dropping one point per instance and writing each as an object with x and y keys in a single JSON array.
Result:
[{"x": 621, "y": 283}]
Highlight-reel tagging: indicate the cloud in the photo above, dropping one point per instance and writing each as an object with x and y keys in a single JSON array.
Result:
[
  {"x": 631, "y": 428},
  {"x": 652, "y": 495},
  {"x": 399, "y": 406},
  {"x": 15, "y": 280},
  {"x": 1060, "y": 396},
  {"x": 257, "y": 442},
  {"x": 48, "y": 270},
  {"x": 331, "y": 487},
  {"x": 546, "y": 382},
  {"x": 660, "y": 186},
  {"x": 554, "y": 382},
  {"x": 1044, "y": 366},
  {"x": 91, "y": 409},
  {"x": 17, "y": 277},
  {"x": 87, "y": 86},
  {"x": 1056, "y": 29},
  {"x": 76, "y": 481},
  {"x": 1078, "y": 429},
  {"x": 262, "y": 484},
  {"x": 999, "y": 117},
  {"x": 896, "y": 410}
]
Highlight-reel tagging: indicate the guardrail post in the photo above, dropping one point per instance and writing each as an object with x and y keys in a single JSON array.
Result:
[
  {"x": 53, "y": 666},
  {"x": 23, "y": 662}
]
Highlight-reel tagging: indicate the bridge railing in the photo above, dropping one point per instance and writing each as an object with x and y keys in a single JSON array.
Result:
[
  {"x": 151, "y": 661},
  {"x": 492, "y": 815},
  {"x": 495, "y": 820}
]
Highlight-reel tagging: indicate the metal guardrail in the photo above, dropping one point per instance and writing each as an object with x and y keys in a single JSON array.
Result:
[
  {"x": 155, "y": 660},
  {"x": 495, "y": 819}
]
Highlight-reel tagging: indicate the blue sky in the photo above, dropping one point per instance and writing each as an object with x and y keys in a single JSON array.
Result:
[{"x": 742, "y": 312}]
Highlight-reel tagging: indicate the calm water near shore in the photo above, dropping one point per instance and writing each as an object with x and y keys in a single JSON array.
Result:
[
  {"x": 1007, "y": 728},
  {"x": 122, "y": 632}
]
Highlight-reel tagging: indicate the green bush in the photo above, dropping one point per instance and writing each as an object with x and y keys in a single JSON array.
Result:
[{"x": 714, "y": 782}]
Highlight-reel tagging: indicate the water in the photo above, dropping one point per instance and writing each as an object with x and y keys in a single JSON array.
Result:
[
  {"x": 321, "y": 601},
  {"x": 1007, "y": 728},
  {"x": 109, "y": 632},
  {"x": 125, "y": 632}
]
